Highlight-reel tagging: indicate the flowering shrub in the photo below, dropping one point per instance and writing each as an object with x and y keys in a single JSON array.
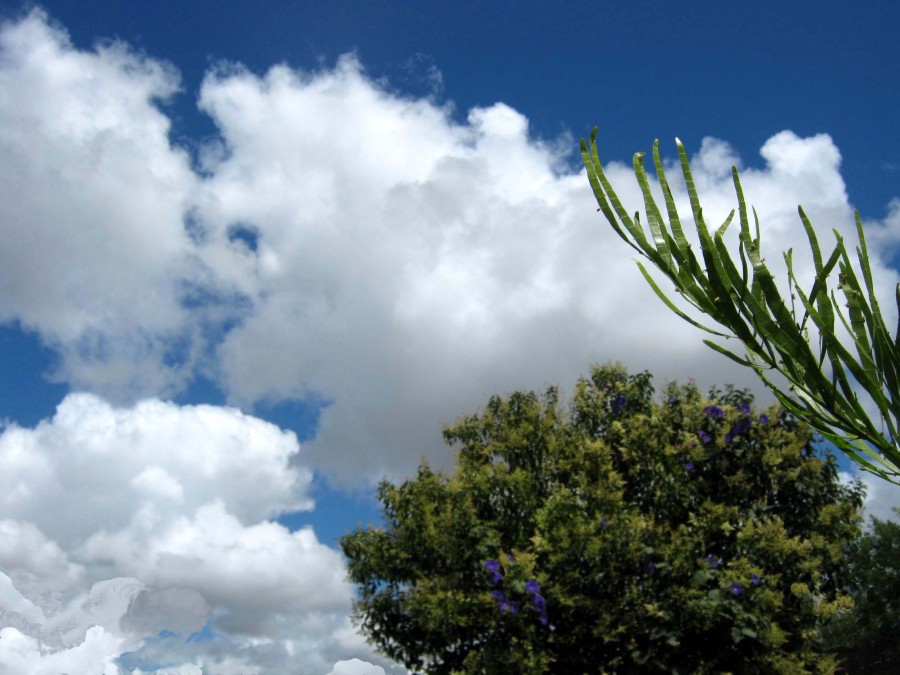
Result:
[
  {"x": 616, "y": 535},
  {"x": 532, "y": 587}
]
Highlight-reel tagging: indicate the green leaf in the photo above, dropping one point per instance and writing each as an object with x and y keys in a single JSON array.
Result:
[{"x": 746, "y": 303}]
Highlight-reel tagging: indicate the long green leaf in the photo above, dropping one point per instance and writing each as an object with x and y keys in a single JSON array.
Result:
[{"x": 747, "y": 304}]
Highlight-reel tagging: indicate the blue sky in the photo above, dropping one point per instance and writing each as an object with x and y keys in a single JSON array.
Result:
[
  {"x": 268, "y": 249},
  {"x": 705, "y": 69}
]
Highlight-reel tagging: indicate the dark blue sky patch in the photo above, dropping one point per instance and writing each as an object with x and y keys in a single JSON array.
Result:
[
  {"x": 336, "y": 513},
  {"x": 640, "y": 71},
  {"x": 243, "y": 234},
  {"x": 299, "y": 415},
  {"x": 25, "y": 362},
  {"x": 202, "y": 389}
]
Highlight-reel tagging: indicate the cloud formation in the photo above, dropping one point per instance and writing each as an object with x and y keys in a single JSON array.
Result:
[
  {"x": 93, "y": 199},
  {"x": 339, "y": 242},
  {"x": 128, "y": 530},
  {"x": 336, "y": 242}
]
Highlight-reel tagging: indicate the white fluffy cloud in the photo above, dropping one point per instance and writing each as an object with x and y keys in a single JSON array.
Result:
[
  {"x": 116, "y": 468},
  {"x": 126, "y": 522},
  {"x": 340, "y": 242},
  {"x": 356, "y": 667},
  {"x": 88, "y": 633},
  {"x": 262, "y": 566},
  {"x": 93, "y": 197},
  {"x": 407, "y": 291},
  {"x": 882, "y": 498}
]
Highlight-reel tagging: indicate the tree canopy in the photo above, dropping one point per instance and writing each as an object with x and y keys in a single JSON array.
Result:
[
  {"x": 619, "y": 533},
  {"x": 867, "y": 638},
  {"x": 740, "y": 295}
]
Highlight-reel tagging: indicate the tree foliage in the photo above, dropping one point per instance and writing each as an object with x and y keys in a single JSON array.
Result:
[
  {"x": 868, "y": 638},
  {"x": 615, "y": 534},
  {"x": 739, "y": 294}
]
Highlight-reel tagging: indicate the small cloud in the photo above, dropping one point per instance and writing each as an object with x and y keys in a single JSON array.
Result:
[{"x": 356, "y": 667}]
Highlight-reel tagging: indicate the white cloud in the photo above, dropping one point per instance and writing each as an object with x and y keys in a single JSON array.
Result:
[
  {"x": 24, "y": 547},
  {"x": 407, "y": 293},
  {"x": 140, "y": 466},
  {"x": 261, "y": 567},
  {"x": 406, "y": 266},
  {"x": 356, "y": 667},
  {"x": 93, "y": 195},
  {"x": 126, "y": 522},
  {"x": 20, "y": 653},
  {"x": 881, "y": 498},
  {"x": 82, "y": 637}
]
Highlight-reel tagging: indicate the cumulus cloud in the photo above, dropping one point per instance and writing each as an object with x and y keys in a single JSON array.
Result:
[
  {"x": 93, "y": 197},
  {"x": 882, "y": 498},
  {"x": 262, "y": 566},
  {"x": 356, "y": 667},
  {"x": 407, "y": 291},
  {"x": 137, "y": 467},
  {"x": 24, "y": 547},
  {"x": 337, "y": 242},
  {"x": 132, "y": 529},
  {"x": 85, "y": 635},
  {"x": 341, "y": 243}
]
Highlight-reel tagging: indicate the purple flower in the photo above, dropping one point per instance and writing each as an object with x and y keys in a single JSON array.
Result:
[
  {"x": 714, "y": 411},
  {"x": 506, "y": 605},
  {"x": 673, "y": 401},
  {"x": 736, "y": 588},
  {"x": 745, "y": 408},
  {"x": 764, "y": 418},
  {"x": 620, "y": 377},
  {"x": 604, "y": 522},
  {"x": 619, "y": 404},
  {"x": 533, "y": 587},
  {"x": 754, "y": 579},
  {"x": 714, "y": 563},
  {"x": 740, "y": 427},
  {"x": 689, "y": 466},
  {"x": 493, "y": 566},
  {"x": 703, "y": 436}
]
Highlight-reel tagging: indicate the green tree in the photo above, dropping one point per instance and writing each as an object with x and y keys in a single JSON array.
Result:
[
  {"x": 617, "y": 534},
  {"x": 739, "y": 294},
  {"x": 867, "y": 638}
]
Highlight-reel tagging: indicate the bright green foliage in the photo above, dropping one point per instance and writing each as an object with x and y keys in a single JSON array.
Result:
[
  {"x": 682, "y": 536},
  {"x": 741, "y": 296}
]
